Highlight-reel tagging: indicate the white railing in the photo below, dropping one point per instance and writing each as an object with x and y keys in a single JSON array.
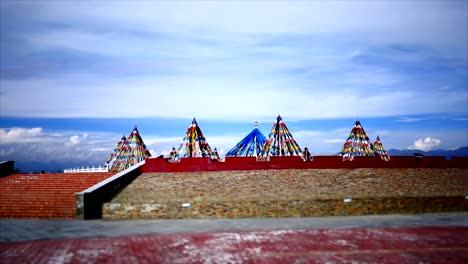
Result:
[{"x": 87, "y": 169}]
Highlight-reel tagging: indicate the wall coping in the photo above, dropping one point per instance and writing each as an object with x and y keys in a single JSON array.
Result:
[
  {"x": 113, "y": 178},
  {"x": 89, "y": 202},
  {"x": 295, "y": 162}
]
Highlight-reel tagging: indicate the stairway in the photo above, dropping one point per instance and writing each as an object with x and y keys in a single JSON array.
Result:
[{"x": 44, "y": 196}]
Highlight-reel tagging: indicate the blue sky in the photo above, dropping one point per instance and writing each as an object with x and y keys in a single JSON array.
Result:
[{"x": 75, "y": 76}]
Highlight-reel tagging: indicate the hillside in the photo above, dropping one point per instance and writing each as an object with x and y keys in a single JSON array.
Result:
[{"x": 461, "y": 152}]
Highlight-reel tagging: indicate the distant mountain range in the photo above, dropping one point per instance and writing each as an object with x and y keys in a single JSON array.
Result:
[{"x": 461, "y": 152}]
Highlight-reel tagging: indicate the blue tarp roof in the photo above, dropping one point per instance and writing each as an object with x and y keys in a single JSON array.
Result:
[{"x": 251, "y": 145}]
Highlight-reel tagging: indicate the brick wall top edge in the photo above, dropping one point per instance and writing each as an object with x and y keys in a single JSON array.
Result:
[{"x": 294, "y": 162}]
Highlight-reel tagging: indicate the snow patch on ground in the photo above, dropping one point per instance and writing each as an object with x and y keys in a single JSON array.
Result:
[
  {"x": 179, "y": 242},
  {"x": 343, "y": 242},
  {"x": 281, "y": 232},
  {"x": 255, "y": 237},
  {"x": 60, "y": 256},
  {"x": 93, "y": 253},
  {"x": 222, "y": 248}
]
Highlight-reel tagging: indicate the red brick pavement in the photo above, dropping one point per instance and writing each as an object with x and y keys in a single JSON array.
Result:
[{"x": 374, "y": 245}]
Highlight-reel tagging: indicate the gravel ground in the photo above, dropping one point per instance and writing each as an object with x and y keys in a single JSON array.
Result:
[{"x": 294, "y": 184}]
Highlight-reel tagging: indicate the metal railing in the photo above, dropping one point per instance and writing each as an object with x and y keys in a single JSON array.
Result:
[{"x": 87, "y": 169}]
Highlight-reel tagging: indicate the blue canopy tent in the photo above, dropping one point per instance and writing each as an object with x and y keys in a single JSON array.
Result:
[{"x": 251, "y": 145}]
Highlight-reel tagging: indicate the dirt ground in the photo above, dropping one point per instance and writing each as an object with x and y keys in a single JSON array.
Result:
[{"x": 295, "y": 184}]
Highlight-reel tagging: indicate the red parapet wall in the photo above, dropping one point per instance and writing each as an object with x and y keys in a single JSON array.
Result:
[
  {"x": 459, "y": 162},
  {"x": 294, "y": 162}
]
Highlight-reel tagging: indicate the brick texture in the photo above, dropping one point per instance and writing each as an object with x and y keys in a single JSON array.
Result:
[
  {"x": 49, "y": 196},
  {"x": 356, "y": 245}
]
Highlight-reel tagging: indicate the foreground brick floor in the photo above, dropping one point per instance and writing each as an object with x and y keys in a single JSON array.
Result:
[{"x": 371, "y": 245}]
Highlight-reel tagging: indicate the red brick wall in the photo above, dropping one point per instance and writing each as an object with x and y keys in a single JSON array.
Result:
[
  {"x": 49, "y": 196},
  {"x": 319, "y": 162}
]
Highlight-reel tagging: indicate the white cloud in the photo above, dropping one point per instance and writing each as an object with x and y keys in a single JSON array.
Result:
[
  {"x": 334, "y": 141},
  {"x": 20, "y": 135},
  {"x": 383, "y": 133},
  {"x": 36, "y": 145},
  {"x": 408, "y": 21},
  {"x": 201, "y": 59},
  {"x": 150, "y": 140},
  {"x": 378, "y": 77},
  {"x": 425, "y": 144},
  {"x": 215, "y": 98},
  {"x": 411, "y": 119},
  {"x": 108, "y": 150},
  {"x": 307, "y": 133},
  {"x": 75, "y": 140}
]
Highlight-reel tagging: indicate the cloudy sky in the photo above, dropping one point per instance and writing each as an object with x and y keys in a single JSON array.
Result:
[{"x": 75, "y": 76}]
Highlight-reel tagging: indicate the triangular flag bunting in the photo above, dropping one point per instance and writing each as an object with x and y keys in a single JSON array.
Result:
[
  {"x": 113, "y": 157},
  {"x": 133, "y": 151},
  {"x": 306, "y": 154},
  {"x": 193, "y": 144},
  {"x": 280, "y": 142},
  {"x": 357, "y": 144},
  {"x": 380, "y": 151}
]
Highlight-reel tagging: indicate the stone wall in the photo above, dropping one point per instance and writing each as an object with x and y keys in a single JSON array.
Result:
[{"x": 291, "y": 193}]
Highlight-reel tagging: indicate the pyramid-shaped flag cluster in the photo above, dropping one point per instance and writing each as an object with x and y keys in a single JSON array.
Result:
[
  {"x": 280, "y": 142},
  {"x": 306, "y": 154},
  {"x": 357, "y": 143},
  {"x": 193, "y": 144},
  {"x": 173, "y": 154},
  {"x": 130, "y": 152},
  {"x": 215, "y": 155},
  {"x": 113, "y": 156},
  {"x": 380, "y": 151},
  {"x": 249, "y": 146}
]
